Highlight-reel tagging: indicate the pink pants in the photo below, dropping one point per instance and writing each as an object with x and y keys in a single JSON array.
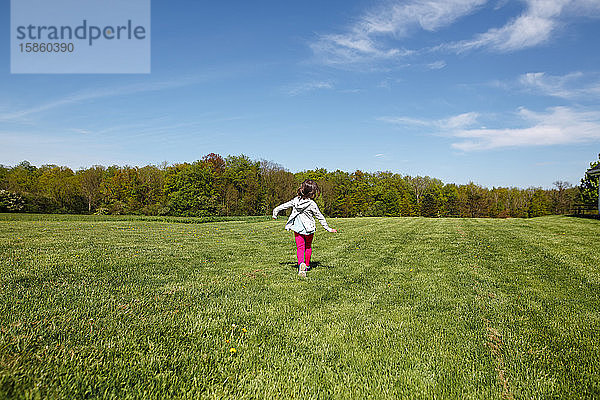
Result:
[{"x": 303, "y": 247}]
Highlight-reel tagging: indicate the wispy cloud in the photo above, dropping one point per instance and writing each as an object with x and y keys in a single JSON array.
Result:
[
  {"x": 555, "y": 126},
  {"x": 455, "y": 122},
  {"x": 376, "y": 36},
  {"x": 535, "y": 26},
  {"x": 575, "y": 85},
  {"x": 95, "y": 94},
  {"x": 165, "y": 127},
  {"x": 81, "y": 131},
  {"x": 437, "y": 65},
  {"x": 306, "y": 87},
  {"x": 366, "y": 39}
]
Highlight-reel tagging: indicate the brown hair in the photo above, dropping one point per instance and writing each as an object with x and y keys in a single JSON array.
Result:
[{"x": 308, "y": 189}]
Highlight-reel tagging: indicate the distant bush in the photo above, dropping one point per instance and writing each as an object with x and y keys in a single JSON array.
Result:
[{"x": 11, "y": 202}]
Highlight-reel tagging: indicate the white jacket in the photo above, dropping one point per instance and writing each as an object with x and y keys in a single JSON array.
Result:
[{"x": 306, "y": 210}]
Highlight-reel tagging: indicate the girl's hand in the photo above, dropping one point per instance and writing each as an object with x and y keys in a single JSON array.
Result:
[
  {"x": 333, "y": 231},
  {"x": 274, "y": 217}
]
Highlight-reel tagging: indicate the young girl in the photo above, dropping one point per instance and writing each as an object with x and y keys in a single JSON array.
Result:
[{"x": 302, "y": 221}]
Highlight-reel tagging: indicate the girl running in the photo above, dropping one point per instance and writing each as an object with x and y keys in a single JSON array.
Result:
[{"x": 302, "y": 221}]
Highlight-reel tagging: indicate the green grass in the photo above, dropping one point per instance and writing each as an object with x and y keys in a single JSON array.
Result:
[{"x": 100, "y": 307}]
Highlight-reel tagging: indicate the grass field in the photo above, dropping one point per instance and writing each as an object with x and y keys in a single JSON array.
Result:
[{"x": 101, "y": 307}]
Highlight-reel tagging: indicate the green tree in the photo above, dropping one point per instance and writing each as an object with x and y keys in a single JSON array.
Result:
[
  {"x": 340, "y": 205},
  {"x": 190, "y": 190},
  {"x": 360, "y": 196},
  {"x": 385, "y": 196},
  {"x": 473, "y": 202},
  {"x": 10, "y": 202},
  {"x": 132, "y": 189},
  {"x": 562, "y": 197},
  {"x": 90, "y": 181},
  {"x": 23, "y": 178},
  {"x": 449, "y": 201},
  {"x": 429, "y": 205},
  {"x": 539, "y": 204},
  {"x": 242, "y": 190},
  {"x": 432, "y": 198},
  {"x": 499, "y": 203},
  {"x": 150, "y": 190},
  {"x": 4, "y": 171},
  {"x": 518, "y": 203},
  {"x": 276, "y": 186},
  {"x": 218, "y": 165},
  {"x": 419, "y": 185},
  {"x": 588, "y": 188},
  {"x": 60, "y": 185}
]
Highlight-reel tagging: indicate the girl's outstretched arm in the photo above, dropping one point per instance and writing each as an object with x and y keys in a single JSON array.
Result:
[
  {"x": 282, "y": 207},
  {"x": 318, "y": 215}
]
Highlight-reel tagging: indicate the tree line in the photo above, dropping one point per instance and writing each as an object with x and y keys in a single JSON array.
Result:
[{"x": 238, "y": 185}]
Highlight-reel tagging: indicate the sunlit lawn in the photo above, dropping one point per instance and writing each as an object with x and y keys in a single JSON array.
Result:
[{"x": 100, "y": 307}]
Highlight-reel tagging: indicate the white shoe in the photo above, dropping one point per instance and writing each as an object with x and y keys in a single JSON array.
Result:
[{"x": 302, "y": 270}]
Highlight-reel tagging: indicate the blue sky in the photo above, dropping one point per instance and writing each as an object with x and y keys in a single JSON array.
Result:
[{"x": 502, "y": 93}]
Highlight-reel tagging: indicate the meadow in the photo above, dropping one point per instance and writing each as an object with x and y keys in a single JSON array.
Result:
[{"x": 133, "y": 307}]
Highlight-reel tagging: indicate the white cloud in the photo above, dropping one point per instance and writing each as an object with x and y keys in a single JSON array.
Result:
[
  {"x": 309, "y": 87},
  {"x": 571, "y": 86},
  {"x": 455, "y": 122},
  {"x": 406, "y": 121},
  {"x": 376, "y": 34},
  {"x": 82, "y": 131},
  {"x": 437, "y": 65},
  {"x": 364, "y": 41},
  {"x": 556, "y": 126},
  {"x": 349, "y": 49},
  {"x": 535, "y": 26},
  {"x": 430, "y": 15},
  {"x": 460, "y": 121}
]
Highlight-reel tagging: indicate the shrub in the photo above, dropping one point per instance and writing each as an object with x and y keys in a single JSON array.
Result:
[{"x": 11, "y": 202}]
